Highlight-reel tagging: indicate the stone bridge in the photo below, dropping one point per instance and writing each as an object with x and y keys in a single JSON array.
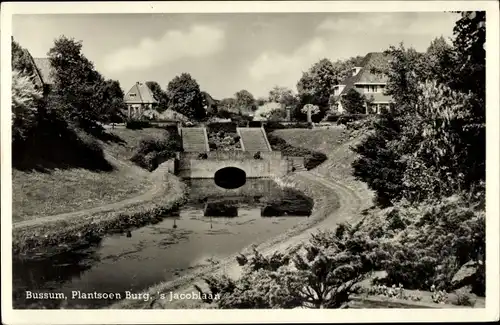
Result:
[{"x": 270, "y": 164}]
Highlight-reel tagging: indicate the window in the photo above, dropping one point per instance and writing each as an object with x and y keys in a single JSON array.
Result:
[{"x": 131, "y": 95}]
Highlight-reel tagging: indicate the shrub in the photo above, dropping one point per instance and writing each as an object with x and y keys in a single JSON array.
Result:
[
  {"x": 255, "y": 124},
  {"x": 427, "y": 244},
  {"x": 311, "y": 158},
  {"x": 221, "y": 128},
  {"x": 347, "y": 118},
  {"x": 137, "y": 124},
  {"x": 152, "y": 152}
]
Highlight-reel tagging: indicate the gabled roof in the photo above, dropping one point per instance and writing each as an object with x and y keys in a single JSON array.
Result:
[
  {"x": 372, "y": 62},
  {"x": 41, "y": 69},
  {"x": 143, "y": 95},
  {"x": 44, "y": 69}
]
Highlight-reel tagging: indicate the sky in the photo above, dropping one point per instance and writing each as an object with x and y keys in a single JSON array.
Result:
[{"x": 227, "y": 52}]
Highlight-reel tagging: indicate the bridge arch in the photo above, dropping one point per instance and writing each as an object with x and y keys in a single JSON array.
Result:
[{"x": 230, "y": 177}]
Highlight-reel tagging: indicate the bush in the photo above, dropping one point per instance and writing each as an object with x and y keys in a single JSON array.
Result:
[
  {"x": 224, "y": 127},
  {"x": 427, "y": 244},
  {"x": 347, "y": 118},
  {"x": 152, "y": 152},
  {"x": 332, "y": 117},
  {"x": 255, "y": 124},
  {"x": 311, "y": 158},
  {"x": 137, "y": 124}
]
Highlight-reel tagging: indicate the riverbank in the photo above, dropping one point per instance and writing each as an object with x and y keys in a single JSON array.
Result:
[
  {"x": 45, "y": 237},
  {"x": 336, "y": 201}
]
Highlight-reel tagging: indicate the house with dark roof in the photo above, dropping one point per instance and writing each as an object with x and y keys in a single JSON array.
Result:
[
  {"x": 42, "y": 72},
  {"x": 138, "y": 99},
  {"x": 368, "y": 81}
]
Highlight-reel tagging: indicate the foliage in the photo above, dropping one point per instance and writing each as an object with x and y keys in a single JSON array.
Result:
[
  {"x": 228, "y": 105},
  {"x": 217, "y": 127},
  {"x": 284, "y": 96},
  {"x": 25, "y": 99},
  {"x": 323, "y": 276},
  {"x": 78, "y": 87},
  {"x": 20, "y": 60},
  {"x": 112, "y": 102},
  {"x": 311, "y": 158},
  {"x": 316, "y": 85},
  {"x": 185, "y": 97},
  {"x": 244, "y": 101},
  {"x": 152, "y": 152},
  {"x": 310, "y": 110},
  {"x": 159, "y": 94},
  {"x": 436, "y": 132},
  {"x": 392, "y": 292},
  {"x": 427, "y": 244},
  {"x": 353, "y": 102},
  {"x": 137, "y": 124},
  {"x": 260, "y": 101},
  {"x": 377, "y": 164},
  {"x": 267, "y": 111}
]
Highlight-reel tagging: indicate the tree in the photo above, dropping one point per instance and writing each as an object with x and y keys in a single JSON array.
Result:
[
  {"x": 354, "y": 102},
  {"x": 24, "y": 105},
  {"x": 438, "y": 63},
  {"x": 159, "y": 94},
  {"x": 245, "y": 102},
  {"x": 77, "y": 83},
  {"x": 20, "y": 60},
  {"x": 185, "y": 96},
  {"x": 378, "y": 164},
  {"x": 317, "y": 83},
  {"x": 261, "y": 101},
  {"x": 310, "y": 110},
  {"x": 112, "y": 101},
  {"x": 269, "y": 111}
]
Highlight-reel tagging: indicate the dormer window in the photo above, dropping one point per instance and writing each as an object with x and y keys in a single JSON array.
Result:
[{"x": 355, "y": 70}]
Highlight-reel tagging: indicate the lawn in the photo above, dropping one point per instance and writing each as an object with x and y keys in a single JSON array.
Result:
[
  {"x": 331, "y": 142},
  {"x": 38, "y": 194}
]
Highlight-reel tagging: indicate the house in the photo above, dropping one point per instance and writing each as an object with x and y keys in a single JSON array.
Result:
[
  {"x": 366, "y": 80},
  {"x": 138, "y": 99},
  {"x": 42, "y": 72}
]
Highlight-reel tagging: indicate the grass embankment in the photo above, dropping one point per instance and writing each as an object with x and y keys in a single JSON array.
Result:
[
  {"x": 335, "y": 143},
  {"x": 44, "y": 193},
  {"x": 50, "y": 238}
]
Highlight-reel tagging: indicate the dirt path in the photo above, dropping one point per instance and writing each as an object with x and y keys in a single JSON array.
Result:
[{"x": 155, "y": 190}]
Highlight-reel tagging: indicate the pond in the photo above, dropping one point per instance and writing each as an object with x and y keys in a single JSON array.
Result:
[{"x": 209, "y": 227}]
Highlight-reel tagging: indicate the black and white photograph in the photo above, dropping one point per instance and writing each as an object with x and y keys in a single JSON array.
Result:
[{"x": 282, "y": 155}]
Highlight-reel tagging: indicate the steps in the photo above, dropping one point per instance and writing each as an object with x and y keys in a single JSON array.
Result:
[
  {"x": 254, "y": 139},
  {"x": 194, "y": 139},
  {"x": 298, "y": 166}
]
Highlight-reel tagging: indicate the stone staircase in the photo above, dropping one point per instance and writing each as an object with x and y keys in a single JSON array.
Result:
[
  {"x": 254, "y": 139},
  {"x": 194, "y": 139},
  {"x": 298, "y": 166}
]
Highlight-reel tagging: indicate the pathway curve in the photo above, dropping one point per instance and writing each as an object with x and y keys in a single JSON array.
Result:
[{"x": 156, "y": 189}]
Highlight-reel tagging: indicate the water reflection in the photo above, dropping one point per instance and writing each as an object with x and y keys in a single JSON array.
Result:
[{"x": 213, "y": 224}]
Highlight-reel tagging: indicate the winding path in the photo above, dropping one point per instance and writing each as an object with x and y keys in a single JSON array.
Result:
[{"x": 156, "y": 189}]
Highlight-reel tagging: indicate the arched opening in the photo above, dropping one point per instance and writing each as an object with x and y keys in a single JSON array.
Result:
[{"x": 230, "y": 177}]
